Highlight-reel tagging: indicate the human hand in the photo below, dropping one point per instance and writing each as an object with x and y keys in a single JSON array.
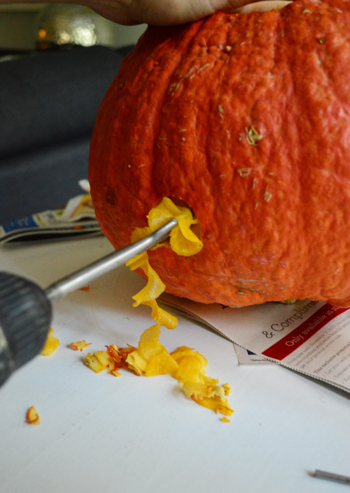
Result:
[{"x": 165, "y": 12}]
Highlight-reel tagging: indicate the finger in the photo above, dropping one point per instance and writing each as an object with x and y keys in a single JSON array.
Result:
[{"x": 263, "y": 6}]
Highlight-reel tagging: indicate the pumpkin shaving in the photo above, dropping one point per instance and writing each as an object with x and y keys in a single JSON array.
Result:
[
  {"x": 79, "y": 345},
  {"x": 32, "y": 417},
  {"x": 51, "y": 344},
  {"x": 151, "y": 358},
  {"x": 183, "y": 241}
]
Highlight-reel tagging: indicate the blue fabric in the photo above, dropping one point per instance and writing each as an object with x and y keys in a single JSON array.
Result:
[{"x": 48, "y": 107}]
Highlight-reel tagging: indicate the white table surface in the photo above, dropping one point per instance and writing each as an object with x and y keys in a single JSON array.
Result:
[{"x": 133, "y": 434}]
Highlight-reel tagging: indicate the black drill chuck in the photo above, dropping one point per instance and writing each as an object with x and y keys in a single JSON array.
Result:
[{"x": 25, "y": 318}]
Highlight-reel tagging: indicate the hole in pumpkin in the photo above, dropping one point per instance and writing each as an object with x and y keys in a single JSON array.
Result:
[{"x": 196, "y": 228}]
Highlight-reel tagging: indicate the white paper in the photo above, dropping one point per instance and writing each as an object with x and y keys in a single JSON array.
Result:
[
  {"x": 310, "y": 337},
  {"x": 246, "y": 357},
  {"x": 77, "y": 218}
]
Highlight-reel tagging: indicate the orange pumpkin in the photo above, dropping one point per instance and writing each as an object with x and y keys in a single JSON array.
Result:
[{"x": 246, "y": 118}]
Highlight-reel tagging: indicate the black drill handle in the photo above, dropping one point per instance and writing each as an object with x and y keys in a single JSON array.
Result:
[{"x": 25, "y": 318}]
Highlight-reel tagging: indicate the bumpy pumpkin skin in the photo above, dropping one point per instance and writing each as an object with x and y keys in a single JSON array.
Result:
[{"x": 179, "y": 121}]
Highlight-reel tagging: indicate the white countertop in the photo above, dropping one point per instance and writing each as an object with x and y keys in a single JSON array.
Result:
[{"x": 133, "y": 434}]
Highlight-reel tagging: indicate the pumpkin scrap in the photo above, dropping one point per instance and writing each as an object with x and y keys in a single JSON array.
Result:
[
  {"x": 51, "y": 344},
  {"x": 112, "y": 359},
  {"x": 191, "y": 107},
  {"x": 151, "y": 358},
  {"x": 85, "y": 288},
  {"x": 79, "y": 345},
  {"x": 196, "y": 385},
  {"x": 99, "y": 361},
  {"x": 183, "y": 241},
  {"x": 32, "y": 416}
]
